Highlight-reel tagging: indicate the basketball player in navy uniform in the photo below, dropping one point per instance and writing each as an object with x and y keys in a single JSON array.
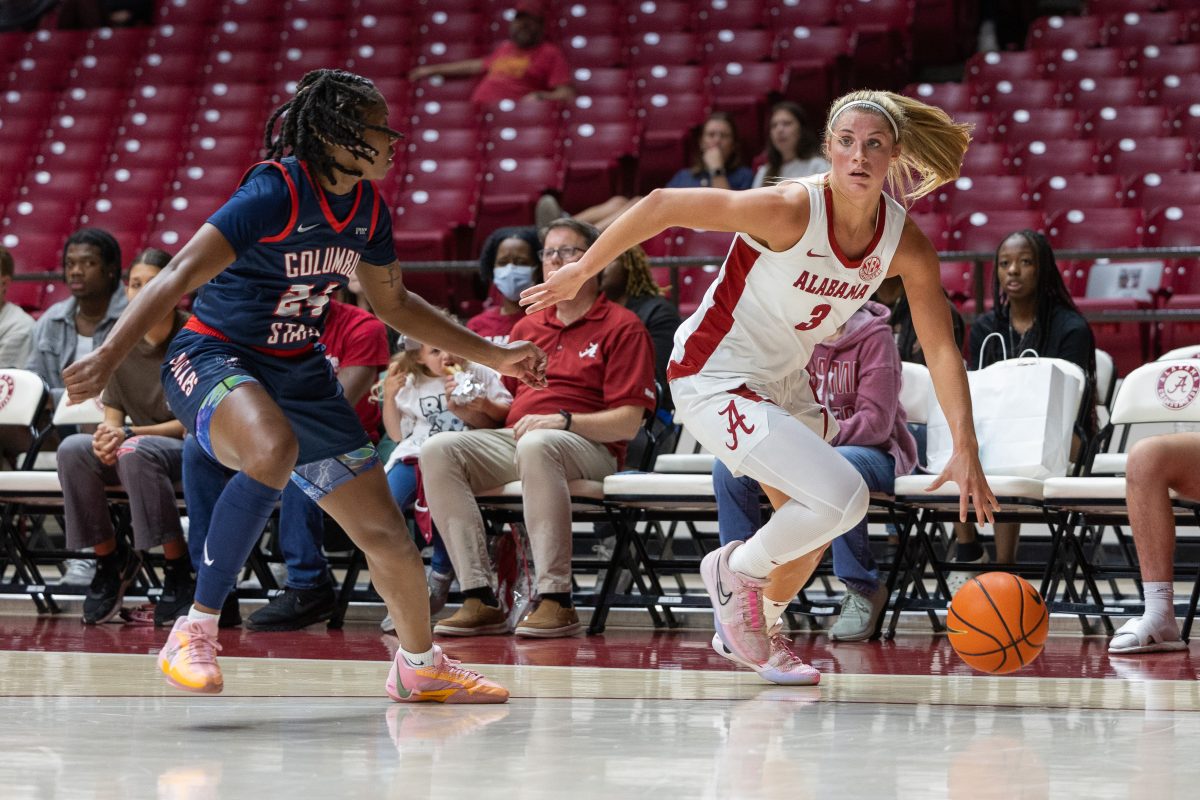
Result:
[{"x": 249, "y": 380}]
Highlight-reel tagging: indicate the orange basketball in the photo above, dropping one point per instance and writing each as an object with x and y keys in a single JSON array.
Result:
[{"x": 998, "y": 622}]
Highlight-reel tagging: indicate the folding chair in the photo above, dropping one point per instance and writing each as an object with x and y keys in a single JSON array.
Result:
[
  {"x": 1020, "y": 498},
  {"x": 1158, "y": 392}
]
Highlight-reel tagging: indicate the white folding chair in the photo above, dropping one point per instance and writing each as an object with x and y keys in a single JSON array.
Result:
[
  {"x": 1158, "y": 392},
  {"x": 1190, "y": 351}
]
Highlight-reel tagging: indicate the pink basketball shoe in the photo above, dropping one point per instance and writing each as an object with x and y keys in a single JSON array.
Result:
[
  {"x": 446, "y": 681},
  {"x": 783, "y": 666},
  {"x": 189, "y": 658},
  {"x": 737, "y": 606}
]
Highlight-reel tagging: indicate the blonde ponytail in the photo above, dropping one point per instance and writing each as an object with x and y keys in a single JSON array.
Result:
[{"x": 932, "y": 144}]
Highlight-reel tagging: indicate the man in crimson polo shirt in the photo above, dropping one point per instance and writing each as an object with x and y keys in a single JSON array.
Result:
[
  {"x": 356, "y": 345},
  {"x": 525, "y": 66},
  {"x": 600, "y": 384}
]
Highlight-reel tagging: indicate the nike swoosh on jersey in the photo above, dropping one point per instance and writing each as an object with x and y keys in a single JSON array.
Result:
[
  {"x": 208, "y": 562},
  {"x": 811, "y": 254},
  {"x": 306, "y": 228}
]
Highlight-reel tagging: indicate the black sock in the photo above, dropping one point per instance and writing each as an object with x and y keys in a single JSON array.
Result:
[
  {"x": 562, "y": 598},
  {"x": 968, "y": 551},
  {"x": 182, "y": 564},
  {"x": 483, "y": 594}
]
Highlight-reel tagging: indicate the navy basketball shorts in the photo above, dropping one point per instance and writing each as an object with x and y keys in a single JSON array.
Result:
[{"x": 201, "y": 370}]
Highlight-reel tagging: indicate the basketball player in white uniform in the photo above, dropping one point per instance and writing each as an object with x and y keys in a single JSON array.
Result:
[{"x": 806, "y": 255}]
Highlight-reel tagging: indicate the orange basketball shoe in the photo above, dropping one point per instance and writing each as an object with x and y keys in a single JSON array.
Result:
[
  {"x": 189, "y": 658},
  {"x": 445, "y": 682}
]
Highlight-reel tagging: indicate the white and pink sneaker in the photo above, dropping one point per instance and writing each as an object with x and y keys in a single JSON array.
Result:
[
  {"x": 447, "y": 681},
  {"x": 737, "y": 606},
  {"x": 783, "y": 666}
]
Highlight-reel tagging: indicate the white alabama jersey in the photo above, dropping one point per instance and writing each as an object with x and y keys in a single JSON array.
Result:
[{"x": 764, "y": 313}]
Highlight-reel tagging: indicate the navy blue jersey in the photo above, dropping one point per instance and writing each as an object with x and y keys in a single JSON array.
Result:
[{"x": 295, "y": 244}]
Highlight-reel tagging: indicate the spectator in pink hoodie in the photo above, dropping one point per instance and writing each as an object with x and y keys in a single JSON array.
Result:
[{"x": 856, "y": 374}]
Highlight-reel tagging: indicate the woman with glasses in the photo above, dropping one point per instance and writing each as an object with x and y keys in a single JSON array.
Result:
[
  {"x": 807, "y": 254},
  {"x": 247, "y": 380}
]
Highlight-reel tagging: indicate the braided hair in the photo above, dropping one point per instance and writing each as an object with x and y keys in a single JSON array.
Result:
[
  {"x": 639, "y": 280},
  {"x": 327, "y": 111}
]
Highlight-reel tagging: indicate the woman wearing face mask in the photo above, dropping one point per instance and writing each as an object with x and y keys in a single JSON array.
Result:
[{"x": 509, "y": 265}]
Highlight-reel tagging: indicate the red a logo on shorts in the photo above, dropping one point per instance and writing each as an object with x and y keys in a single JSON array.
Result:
[{"x": 737, "y": 422}]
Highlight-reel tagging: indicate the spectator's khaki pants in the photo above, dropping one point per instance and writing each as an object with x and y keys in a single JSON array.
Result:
[{"x": 455, "y": 465}]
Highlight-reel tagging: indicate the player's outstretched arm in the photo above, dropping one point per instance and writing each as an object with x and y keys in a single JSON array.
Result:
[
  {"x": 776, "y": 216},
  {"x": 413, "y": 316},
  {"x": 205, "y": 256},
  {"x": 917, "y": 265}
]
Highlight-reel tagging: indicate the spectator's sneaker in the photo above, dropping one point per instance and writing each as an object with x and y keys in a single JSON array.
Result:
[
  {"x": 231, "y": 612},
  {"x": 189, "y": 658},
  {"x": 78, "y": 572},
  {"x": 783, "y": 666},
  {"x": 550, "y": 620},
  {"x": 959, "y": 578},
  {"x": 113, "y": 576},
  {"x": 388, "y": 625},
  {"x": 737, "y": 606},
  {"x": 179, "y": 588},
  {"x": 294, "y": 609},
  {"x": 439, "y": 590},
  {"x": 547, "y": 210},
  {"x": 475, "y": 618},
  {"x": 859, "y": 615},
  {"x": 447, "y": 681}
]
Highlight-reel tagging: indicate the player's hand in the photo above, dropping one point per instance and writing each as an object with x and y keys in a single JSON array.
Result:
[
  {"x": 87, "y": 377},
  {"x": 524, "y": 361},
  {"x": 965, "y": 470},
  {"x": 535, "y": 422},
  {"x": 563, "y": 284}
]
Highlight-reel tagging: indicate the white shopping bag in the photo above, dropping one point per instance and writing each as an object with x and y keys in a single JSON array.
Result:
[{"x": 1024, "y": 412}]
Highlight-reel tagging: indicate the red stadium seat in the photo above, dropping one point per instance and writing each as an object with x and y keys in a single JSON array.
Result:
[
  {"x": 668, "y": 80},
  {"x": 1038, "y": 124},
  {"x": 1110, "y": 123},
  {"x": 1005, "y": 96},
  {"x": 154, "y": 153},
  {"x": 425, "y": 223},
  {"x": 433, "y": 175},
  {"x": 1176, "y": 225},
  {"x": 726, "y": 45},
  {"x": 247, "y": 11},
  {"x": 667, "y": 124},
  {"x": 39, "y": 211},
  {"x": 1064, "y": 192},
  {"x": 602, "y": 81},
  {"x": 818, "y": 62},
  {"x": 1154, "y": 190},
  {"x": 1139, "y": 30},
  {"x": 379, "y": 28},
  {"x": 439, "y": 52},
  {"x": 1090, "y": 93},
  {"x": 1155, "y": 62},
  {"x": 443, "y": 26},
  {"x": 194, "y": 180},
  {"x": 1046, "y": 159},
  {"x": 128, "y": 214},
  {"x": 79, "y": 155},
  {"x": 668, "y": 47},
  {"x": 994, "y": 66},
  {"x": 181, "y": 68},
  {"x": 1121, "y": 6},
  {"x": 587, "y": 18},
  {"x": 36, "y": 251},
  {"x": 228, "y": 67},
  {"x": 788, "y": 14},
  {"x": 1176, "y": 90},
  {"x": 936, "y": 226},
  {"x": 982, "y": 231},
  {"x": 883, "y": 39},
  {"x": 661, "y": 16},
  {"x": 948, "y": 96},
  {"x": 245, "y": 37},
  {"x": 29, "y": 295},
  {"x": 985, "y": 127},
  {"x": 741, "y": 90},
  {"x": 160, "y": 124},
  {"x": 154, "y": 98},
  {"x": 442, "y": 115},
  {"x": 1096, "y": 228},
  {"x": 509, "y": 113},
  {"x": 986, "y": 159},
  {"x": 444, "y": 143},
  {"x": 1059, "y": 33},
  {"x": 716, "y": 15},
  {"x": 177, "y": 12},
  {"x": 1132, "y": 157},
  {"x": 304, "y": 32},
  {"x": 215, "y": 147},
  {"x": 596, "y": 156},
  {"x": 1075, "y": 65},
  {"x": 151, "y": 181},
  {"x": 253, "y": 96},
  {"x": 296, "y": 61},
  {"x": 983, "y": 193},
  {"x": 441, "y": 90},
  {"x": 231, "y": 121},
  {"x": 504, "y": 175},
  {"x": 595, "y": 50},
  {"x": 599, "y": 110},
  {"x": 512, "y": 142}
]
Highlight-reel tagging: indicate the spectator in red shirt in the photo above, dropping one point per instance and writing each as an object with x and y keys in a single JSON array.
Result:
[
  {"x": 508, "y": 266},
  {"x": 524, "y": 67},
  {"x": 356, "y": 345},
  {"x": 600, "y": 376}
]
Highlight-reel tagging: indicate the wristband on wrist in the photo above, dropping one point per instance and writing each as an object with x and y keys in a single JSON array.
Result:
[
  {"x": 127, "y": 431},
  {"x": 566, "y": 415}
]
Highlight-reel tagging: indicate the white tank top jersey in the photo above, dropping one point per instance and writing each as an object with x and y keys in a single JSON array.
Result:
[{"x": 766, "y": 310}]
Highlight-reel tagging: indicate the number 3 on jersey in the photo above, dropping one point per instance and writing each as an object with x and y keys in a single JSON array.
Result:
[
  {"x": 299, "y": 296},
  {"x": 819, "y": 313}
]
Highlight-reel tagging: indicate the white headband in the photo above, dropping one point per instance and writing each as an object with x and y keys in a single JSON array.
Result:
[{"x": 872, "y": 105}]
